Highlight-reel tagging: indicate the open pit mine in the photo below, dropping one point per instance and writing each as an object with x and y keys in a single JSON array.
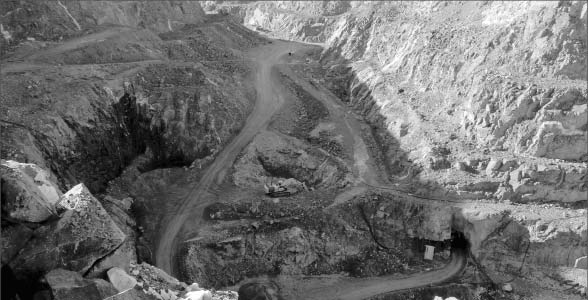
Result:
[{"x": 293, "y": 150}]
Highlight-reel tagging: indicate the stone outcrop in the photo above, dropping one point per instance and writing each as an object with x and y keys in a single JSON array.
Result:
[
  {"x": 84, "y": 234},
  {"x": 29, "y": 193},
  {"x": 273, "y": 156}
]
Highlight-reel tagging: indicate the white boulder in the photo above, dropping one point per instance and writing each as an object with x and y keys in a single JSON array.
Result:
[{"x": 120, "y": 279}]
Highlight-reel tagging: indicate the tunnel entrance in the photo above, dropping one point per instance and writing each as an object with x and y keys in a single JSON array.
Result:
[{"x": 459, "y": 241}]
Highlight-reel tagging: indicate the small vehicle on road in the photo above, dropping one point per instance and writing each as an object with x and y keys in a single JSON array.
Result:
[{"x": 276, "y": 190}]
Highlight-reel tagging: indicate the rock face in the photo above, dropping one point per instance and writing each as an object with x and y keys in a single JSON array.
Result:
[
  {"x": 502, "y": 79},
  {"x": 273, "y": 156},
  {"x": 125, "y": 254},
  {"x": 310, "y": 21},
  {"x": 28, "y": 192},
  {"x": 84, "y": 234}
]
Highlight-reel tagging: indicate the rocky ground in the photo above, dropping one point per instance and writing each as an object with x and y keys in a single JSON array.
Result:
[
  {"x": 469, "y": 101},
  {"x": 457, "y": 125}
]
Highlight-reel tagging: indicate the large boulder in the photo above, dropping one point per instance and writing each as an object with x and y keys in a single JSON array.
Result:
[
  {"x": 198, "y": 295},
  {"x": 121, "y": 280},
  {"x": 28, "y": 192},
  {"x": 69, "y": 285},
  {"x": 126, "y": 254},
  {"x": 84, "y": 234},
  {"x": 122, "y": 258},
  {"x": 493, "y": 166}
]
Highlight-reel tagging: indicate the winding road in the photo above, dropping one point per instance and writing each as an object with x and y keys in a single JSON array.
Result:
[
  {"x": 270, "y": 98},
  {"x": 269, "y": 101},
  {"x": 356, "y": 288}
]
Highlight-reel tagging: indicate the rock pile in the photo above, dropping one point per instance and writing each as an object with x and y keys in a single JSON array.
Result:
[
  {"x": 83, "y": 234},
  {"x": 29, "y": 193}
]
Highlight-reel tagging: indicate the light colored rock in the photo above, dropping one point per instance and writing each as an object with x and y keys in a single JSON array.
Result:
[
  {"x": 120, "y": 279},
  {"x": 581, "y": 263},
  {"x": 193, "y": 287},
  {"x": 168, "y": 295},
  {"x": 460, "y": 166},
  {"x": 438, "y": 298},
  {"x": 493, "y": 166},
  {"x": 29, "y": 192},
  {"x": 507, "y": 287},
  {"x": 84, "y": 234},
  {"x": 198, "y": 295}
]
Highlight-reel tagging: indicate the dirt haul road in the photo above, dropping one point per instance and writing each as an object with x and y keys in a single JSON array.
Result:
[
  {"x": 268, "y": 102},
  {"x": 370, "y": 287}
]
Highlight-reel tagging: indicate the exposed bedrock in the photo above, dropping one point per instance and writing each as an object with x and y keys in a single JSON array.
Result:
[
  {"x": 457, "y": 84},
  {"x": 271, "y": 156}
]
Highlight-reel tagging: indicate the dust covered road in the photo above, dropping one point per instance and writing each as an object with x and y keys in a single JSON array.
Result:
[
  {"x": 270, "y": 98},
  {"x": 268, "y": 102}
]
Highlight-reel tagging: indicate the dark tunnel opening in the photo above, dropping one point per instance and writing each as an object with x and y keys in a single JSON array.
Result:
[{"x": 459, "y": 241}]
